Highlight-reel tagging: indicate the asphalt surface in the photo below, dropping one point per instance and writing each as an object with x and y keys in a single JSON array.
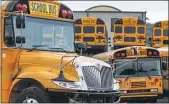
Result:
[{"x": 164, "y": 100}]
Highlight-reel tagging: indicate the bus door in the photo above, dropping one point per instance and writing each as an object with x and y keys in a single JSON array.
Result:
[
  {"x": 141, "y": 35},
  {"x": 157, "y": 37},
  {"x": 78, "y": 33},
  {"x": 130, "y": 37},
  {"x": 165, "y": 37},
  {"x": 89, "y": 34},
  {"x": 100, "y": 34}
]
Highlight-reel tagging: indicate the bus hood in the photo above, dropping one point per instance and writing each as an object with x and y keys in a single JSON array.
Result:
[{"x": 50, "y": 62}]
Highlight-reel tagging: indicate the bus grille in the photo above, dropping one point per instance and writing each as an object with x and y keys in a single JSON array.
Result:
[
  {"x": 98, "y": 78},
  {"x": 166, "y": 58},
  {"x": 141, "y": 84},
  {"x": 88, "y": 39},
  {"x": 129, "y": 39}
]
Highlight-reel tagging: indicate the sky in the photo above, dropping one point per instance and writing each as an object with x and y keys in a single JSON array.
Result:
[{"x": 156, "y": 10}]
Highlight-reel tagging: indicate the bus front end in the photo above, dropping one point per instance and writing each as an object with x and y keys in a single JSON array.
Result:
[
  {"x": 140, "y": 78},
  {"x": 128, "y": 32}
]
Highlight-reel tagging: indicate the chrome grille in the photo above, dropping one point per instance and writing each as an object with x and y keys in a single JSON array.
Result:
[
  {"x": 141, "y": 84},
  {"x": 98, "y": 78}
]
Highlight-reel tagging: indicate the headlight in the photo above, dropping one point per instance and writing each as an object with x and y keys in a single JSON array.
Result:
[
  {"x": 69, "y": 85},
  {"x": 123, "y": 92},
  {"x": 116, "y": 85},
  {"x": 154, "y": 90}
]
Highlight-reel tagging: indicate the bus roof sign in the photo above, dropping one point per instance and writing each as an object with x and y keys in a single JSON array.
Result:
[{"x": 43, "y": 8}]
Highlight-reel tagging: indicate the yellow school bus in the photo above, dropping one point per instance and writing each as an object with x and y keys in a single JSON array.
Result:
[
  {"x": 138, "y": 69},
  {"x": 129, "y": 31},
  {"x": 160, "y": 34},
  {"x": 165, "y": 58},
  {"x": 93, "y": 31},
  {"x": 39, "y": 63}
]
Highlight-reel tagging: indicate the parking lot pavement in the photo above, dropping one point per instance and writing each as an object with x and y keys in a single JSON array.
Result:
[{"x": 164, "y": 100}]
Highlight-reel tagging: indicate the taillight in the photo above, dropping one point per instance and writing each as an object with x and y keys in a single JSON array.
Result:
[
  {"x": 118, "y": 54},
  {"x": 24, "y": 8},
  {"x": 149, "y": 53},
  {"x": 64, "y": 13},
  {"x": 69, "y": 14},
  {"x": 152, "y": 52},
  {"x": 123, "y": 54},
  {"x": 18, "y": 7},
  {"x": 21, "y": 7}
]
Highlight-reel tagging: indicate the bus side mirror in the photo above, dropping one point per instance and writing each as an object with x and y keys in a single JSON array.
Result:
[
  {"x": 81, "y": 45},
  {"x": 20, "y": 39},
  {"x": 164, "y": 74},
  {"x": 20, "y": 21},
  {"x": 164, "y": 65}
]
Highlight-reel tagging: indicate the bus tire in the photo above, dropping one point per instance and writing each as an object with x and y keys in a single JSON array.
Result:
[{"x": 32, "y": 94}]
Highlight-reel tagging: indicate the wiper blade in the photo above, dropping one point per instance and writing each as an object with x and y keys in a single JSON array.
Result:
[
  {"x": 141, "y": 70},
  {"x": 58, "y": 48},
  {"x": 36, "y": 46}
]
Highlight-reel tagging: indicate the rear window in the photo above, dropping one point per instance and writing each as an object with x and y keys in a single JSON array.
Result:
[
  {"x": 157, "y": 32},
  {"x": 77, "y": 29},
  {"x": 140, "y": 30},
  {"x": 88, "y": 29},
  {"x": 129, "y": 30},
  {"x": 118, "y": 29},
  {"x": 100, "y": 29},
  {"x": 165, "y": 32}
]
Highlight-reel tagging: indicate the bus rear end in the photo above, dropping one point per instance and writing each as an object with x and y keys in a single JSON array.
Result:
[
  {"x": 160, "y": 34},
  {"x": 129, "y": 31},
  {"x": 93, "y": 31},
  {"x": 140, "y": 78}
]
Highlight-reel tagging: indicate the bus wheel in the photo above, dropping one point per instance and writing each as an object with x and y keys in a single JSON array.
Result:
[{"x": 32, "y": 95}]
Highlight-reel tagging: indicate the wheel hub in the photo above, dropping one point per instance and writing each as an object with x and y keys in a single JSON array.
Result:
[{"x": 30, "y": 100}]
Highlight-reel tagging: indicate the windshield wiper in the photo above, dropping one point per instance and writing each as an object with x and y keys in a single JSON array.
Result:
[
  {"x": 58, "y": 48},
  {"x": 36, "y": 46},
  {"x": 145, "y": 71}
]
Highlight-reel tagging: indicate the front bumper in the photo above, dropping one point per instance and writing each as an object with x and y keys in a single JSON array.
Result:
[
  {"x": 135, "y": 96},
  {"x": 90, "y": 96}
]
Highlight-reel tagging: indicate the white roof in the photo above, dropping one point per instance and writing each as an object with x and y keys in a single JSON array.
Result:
[{"x": 163, "y": 49}]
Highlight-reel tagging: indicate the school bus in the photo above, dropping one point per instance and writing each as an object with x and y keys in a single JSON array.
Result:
[
  {"x": 39, "y": 63},
  {"x": 160, "y": 34},
  {"x": 138, "y": 69},
  {"x": 93, "y": 31},
  {"x": 129, "y": 31},
  {"x": 165, "y": 58}
]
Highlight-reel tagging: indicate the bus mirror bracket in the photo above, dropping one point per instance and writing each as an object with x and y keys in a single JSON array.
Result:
[
  {"x": 81, "y": 46},
  {"x": 20, "y": 39},
  {"x": 20, "y": 20}
]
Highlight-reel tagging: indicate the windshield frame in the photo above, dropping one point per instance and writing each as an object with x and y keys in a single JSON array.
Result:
[
  {"x": 159, "y": 58},
  {"x": 39, "y": 48}
]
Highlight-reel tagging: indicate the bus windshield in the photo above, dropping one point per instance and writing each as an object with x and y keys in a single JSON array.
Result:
[
  {"x": 129, "y": 30},
  {"x": 46, "y": 32},
  {"x": 149, "y": 65},
  {"x": 88, "y": 29}
]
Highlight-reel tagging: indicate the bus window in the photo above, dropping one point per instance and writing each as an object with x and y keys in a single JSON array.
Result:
[
  {"x": 118, "y": 29},
  {"x": 165, "y": 32},
  {"x": 129, "y": 30},
  {"x": 157, "y": 32},
  {"x": 140, "y": 30},
  {"x": 100, "y": 29},
  {"x": 77, "y": 29},
  {"x": 88, "y": 29}
]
